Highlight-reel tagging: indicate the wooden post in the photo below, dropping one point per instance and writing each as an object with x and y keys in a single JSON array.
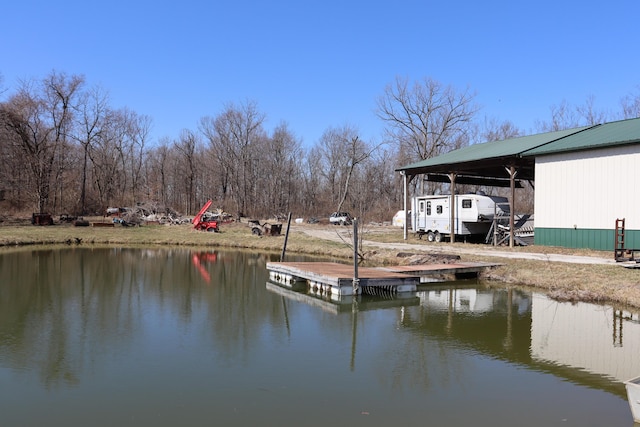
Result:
[
  {"x": 286, "y": 238},
  {"x": 512, "y": 200},
  {"x": 356, "y": 280},
  {"x": 495, "y": 224},
  {"x": 452, "y": 208},
  {"x": 406, "y": 212}
]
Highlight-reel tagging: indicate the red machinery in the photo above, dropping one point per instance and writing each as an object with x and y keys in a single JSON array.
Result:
[{"x": 204, "y": 221}]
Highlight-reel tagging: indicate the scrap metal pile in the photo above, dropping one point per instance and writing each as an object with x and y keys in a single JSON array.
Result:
[{"x": 146, "y": 213}]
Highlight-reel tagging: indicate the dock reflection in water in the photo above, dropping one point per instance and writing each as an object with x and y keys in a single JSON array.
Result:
[{"x": 132, "y": 337}]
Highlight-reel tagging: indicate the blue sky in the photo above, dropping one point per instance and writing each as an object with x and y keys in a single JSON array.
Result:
[{"x": 321, "y": 64}]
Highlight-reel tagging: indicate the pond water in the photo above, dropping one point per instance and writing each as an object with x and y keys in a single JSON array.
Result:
[{"x": 132, "y": 337}]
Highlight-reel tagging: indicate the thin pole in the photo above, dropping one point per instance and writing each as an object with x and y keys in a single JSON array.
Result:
[
  {"x": 286, "y": 238},
  {"x": 356, "y": 280}
]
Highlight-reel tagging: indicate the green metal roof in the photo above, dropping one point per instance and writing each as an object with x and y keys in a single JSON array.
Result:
[
  {"x": 605, "y": 135},
  {"x": 489, "y": 158}
]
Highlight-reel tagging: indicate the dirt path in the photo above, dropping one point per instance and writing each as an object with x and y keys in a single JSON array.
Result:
[{"x": 479, "y": 250}]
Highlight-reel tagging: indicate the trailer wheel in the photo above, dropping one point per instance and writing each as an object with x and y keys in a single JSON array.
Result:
[
  {"x": 256, "y": 231},
  {"x": 431, "y": 237},
  {"x": 437, "y": 237}
]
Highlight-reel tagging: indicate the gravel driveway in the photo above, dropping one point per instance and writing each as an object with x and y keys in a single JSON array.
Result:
[{"x": 334, "y": 234}]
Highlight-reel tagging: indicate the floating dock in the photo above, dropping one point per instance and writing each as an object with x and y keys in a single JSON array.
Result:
[
  {"x": 337, "y": 280},
  {"x": 338, "y": 305},
  {"x": 429, "y": 272}
]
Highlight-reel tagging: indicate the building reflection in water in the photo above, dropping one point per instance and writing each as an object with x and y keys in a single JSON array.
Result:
[
  {"x": 595, "y": 345},
  {"x": 599, "y": 339}
]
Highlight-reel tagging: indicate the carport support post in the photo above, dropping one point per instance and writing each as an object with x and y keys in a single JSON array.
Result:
[
  {"x": 512, "y": 204},
  {"x": 452, "y": 208},
  {"x": 406, "y": 212}
]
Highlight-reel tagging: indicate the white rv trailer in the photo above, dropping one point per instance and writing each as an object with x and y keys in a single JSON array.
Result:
[{"x": 474, "y": 215}]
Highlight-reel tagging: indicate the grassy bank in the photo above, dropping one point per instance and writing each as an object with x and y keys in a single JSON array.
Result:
[
  {"x": 572, "y": 282},
  {"x": 235, "y": 236}
]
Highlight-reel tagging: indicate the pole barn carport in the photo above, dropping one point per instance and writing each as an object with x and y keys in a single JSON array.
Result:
[{"x": 496, "y": 164}]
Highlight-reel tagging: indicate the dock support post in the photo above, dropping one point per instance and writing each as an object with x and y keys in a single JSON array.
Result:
[{"x": 356, "y": 280}]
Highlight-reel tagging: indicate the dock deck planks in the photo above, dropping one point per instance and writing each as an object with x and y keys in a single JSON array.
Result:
[
  {"x": 340, "y": 276},
  {"x": 336, "y": 274},
  {"x": 457, "y": 268}
]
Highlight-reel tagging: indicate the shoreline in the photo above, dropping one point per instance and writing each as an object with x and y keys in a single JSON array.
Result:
[{"x": 563, "y": 274}]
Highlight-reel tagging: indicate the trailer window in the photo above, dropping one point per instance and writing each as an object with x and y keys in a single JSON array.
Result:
[
  {"x": 439, "y": 209},
  {"x": 421, "y": 207},
  {"x": 428, "y": 208},
  {"x": 466, "y": 203}
]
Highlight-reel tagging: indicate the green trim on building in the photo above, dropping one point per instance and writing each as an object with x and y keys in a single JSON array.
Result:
[{"x": 597, "y": 239}]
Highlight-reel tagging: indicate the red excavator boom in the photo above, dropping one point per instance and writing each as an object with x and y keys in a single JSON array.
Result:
[{"x": 205, "y": 225}]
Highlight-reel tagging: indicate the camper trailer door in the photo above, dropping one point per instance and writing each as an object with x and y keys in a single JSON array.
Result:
[{"x": 422, "y": 219}]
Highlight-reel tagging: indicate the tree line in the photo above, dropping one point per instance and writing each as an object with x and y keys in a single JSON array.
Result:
[{"x": 64, "y": 149}]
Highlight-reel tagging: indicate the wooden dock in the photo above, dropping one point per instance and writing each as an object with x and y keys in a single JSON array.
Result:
[
  {"x": 337, "y": 279},
  {"x": 429, "y": 272}
]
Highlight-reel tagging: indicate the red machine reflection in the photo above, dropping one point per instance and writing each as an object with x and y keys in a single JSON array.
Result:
[{"x": 199, "y": 259}]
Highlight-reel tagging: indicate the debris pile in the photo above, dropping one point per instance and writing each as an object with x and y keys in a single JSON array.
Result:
[{"x": 145, "y": 213}]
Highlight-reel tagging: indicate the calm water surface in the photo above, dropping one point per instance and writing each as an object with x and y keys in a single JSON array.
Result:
[{"x": 130, "y": 337}]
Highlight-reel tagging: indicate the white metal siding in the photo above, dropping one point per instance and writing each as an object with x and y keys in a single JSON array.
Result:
[{"x": 588, "y": 189}]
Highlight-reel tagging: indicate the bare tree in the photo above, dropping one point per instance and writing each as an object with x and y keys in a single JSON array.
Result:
[
  {"x": 107, "y": 155},
  {"x": 281, "y": 171},
  {"x": 13, "y": 179},
  {"x": 357, "y": 152},
  {"x": 631, "y": 105},
  {"x": 138, "y": 135},
  {"x": 590, "y": 114},
  {"x": 331, "y": 151},
  {"x": 498, "y": 131},
  {"x": 90, "y": 116},
  {"x": 312, "y": 181},
  {"x": 380, "y": 187},
  {"x": 157, "y": 171},
  {"x": 40, "y": 117},
  {"x": 187, "y": 148},
  {"x": 427, "y": 118},
  {"x": 218, "y": 161},
  {"x": 562, "y": 117},
  {"x": 342, "y": 152},
  {"x": 236, "y": 136},
  {"x": 61, "y": 94},
  {"x": 565, "y": 116}
]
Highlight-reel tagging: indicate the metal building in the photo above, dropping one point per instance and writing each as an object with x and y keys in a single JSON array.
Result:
[{"x": 585, "y": 180}]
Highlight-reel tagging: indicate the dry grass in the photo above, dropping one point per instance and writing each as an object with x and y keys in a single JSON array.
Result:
[
  {"x": 562, "y": 281},
  {"x": 569, "y": 282},
  {"x": 573, "y": 282},
  {"x": 233, "y": 235}
]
